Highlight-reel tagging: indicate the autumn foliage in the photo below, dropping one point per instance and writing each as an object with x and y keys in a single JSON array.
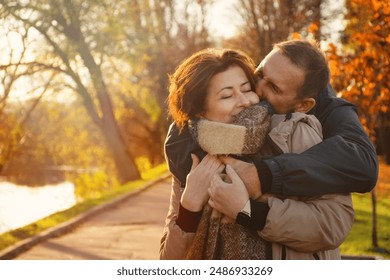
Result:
[{"x": 360, "y": 67}]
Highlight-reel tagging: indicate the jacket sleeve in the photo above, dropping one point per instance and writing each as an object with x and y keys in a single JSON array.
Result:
[
  {"x": 309, "y": 226},
  {"x": 174, "y": 242},
  {"x": 344, "y": 162}
]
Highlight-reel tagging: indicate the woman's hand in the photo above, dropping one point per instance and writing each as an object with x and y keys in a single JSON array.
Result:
[
  {"x": 248, "y": 174},
  {"x": 195, "y": 194},
  {"x": 228, "y": 198}
]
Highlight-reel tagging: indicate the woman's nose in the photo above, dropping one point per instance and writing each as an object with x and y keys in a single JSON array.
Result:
[{"x": 243, "y": 101}]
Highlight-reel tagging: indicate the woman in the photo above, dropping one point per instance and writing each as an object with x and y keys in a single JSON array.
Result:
[{"x": 216, "y": 85}]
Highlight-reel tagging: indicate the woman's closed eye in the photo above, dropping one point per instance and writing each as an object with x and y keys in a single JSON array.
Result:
[
  {"x": 246, "y": 88},
  {"x": 226, "y": 96}
]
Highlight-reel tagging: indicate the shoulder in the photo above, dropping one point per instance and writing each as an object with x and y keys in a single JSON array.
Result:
[
  {"x": 288, "y": 123},
  {"x": 329, "y": 104},
  {"x": 178, "y": 147}
]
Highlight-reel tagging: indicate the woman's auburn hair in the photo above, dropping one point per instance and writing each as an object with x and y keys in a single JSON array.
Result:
[{"x": 189, "y": 83}]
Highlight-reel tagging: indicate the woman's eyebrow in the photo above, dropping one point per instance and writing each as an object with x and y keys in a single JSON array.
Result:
[
  {"x": 231, "y": 87},
  {"x": 222, "y": 89}
]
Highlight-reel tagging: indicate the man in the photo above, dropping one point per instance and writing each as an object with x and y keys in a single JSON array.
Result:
[{"x": 344, "y": 162}]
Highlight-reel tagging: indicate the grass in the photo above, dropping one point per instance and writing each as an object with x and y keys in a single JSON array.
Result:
[
  {"x": 10, "y": 238},
  {"x": 359, "y": 241}
]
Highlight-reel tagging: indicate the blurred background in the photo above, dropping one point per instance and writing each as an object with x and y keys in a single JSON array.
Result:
[{"x": 83, "y": 84}]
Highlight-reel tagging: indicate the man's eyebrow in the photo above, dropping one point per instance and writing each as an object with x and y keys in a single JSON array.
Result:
[
  {"x": 268, "y": 81},
  {"x": 260, "y": 71},
  {"x": 275, "y": 86}
]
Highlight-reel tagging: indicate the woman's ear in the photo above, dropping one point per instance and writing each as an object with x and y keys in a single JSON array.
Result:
[{"x": 305, "y": 105}]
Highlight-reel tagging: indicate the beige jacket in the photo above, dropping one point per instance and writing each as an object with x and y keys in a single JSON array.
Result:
[{"x": 310, "y": 229}]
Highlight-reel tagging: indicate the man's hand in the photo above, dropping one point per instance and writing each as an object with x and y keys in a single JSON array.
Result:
[
  {"x": 248, "y": 174},
  {"x": 228, "y": 197}
]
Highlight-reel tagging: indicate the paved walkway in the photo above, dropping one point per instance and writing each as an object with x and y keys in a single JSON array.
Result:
[{"x": 129, "y": 230}]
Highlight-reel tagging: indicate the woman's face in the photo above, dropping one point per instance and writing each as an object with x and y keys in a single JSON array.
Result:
[{"x": 228, "y": 93}]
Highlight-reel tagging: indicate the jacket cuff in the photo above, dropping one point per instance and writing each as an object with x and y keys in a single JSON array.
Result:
[
  {"x": 265, "y": 175},
  {"x": 187, "y": 220},
  {"x": 259, "y": 212},
  {"x": 276, "y": 177}
]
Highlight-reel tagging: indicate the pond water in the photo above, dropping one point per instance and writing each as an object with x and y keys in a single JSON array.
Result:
[{"x": 22, "y": 205}]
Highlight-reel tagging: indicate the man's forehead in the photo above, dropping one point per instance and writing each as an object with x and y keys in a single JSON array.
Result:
[{"x": 269, "y": 57}]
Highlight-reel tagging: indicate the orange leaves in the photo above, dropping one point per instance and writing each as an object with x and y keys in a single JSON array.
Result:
[
  {"x": 313, "y": 28},
  {"x": 295, "y": 36},
  {"x": 360, "y": 69}
]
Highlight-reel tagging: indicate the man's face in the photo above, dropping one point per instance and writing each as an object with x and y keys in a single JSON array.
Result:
[{"x": 279, "y": 82}]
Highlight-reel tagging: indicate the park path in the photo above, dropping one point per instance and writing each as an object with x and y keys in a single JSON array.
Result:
[{"x": 129, "y": 230}]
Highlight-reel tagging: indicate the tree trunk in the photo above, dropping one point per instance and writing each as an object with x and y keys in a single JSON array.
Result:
[
  {"x": 124, "y": 162},
  {"x": 125, "y": 165}
]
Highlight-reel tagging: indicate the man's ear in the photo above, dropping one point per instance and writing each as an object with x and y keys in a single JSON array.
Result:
[{"x": 305, "y": 105}]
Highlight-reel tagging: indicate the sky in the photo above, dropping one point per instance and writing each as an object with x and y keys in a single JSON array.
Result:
[
  {"x": 222, "y": 19},
  {"x": 223, "y": 22}
]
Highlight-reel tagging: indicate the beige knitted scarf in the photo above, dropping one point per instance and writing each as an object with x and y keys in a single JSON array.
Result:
[
  {"x": 245, "y": 135},
  {"x": 217, "y": 236}
]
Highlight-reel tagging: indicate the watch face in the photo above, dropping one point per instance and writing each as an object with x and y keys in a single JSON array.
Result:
[{"x": 243, "y": 219}]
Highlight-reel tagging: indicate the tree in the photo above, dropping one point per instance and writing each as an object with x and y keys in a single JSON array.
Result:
[
  {"x": 159, "y": 36},
  {"x": 117, "y": 58},
  {"x": 361, "y": 70},
  {"x": 68, "y": 30},
  {"x": 361, "y": 66},
  {"x": 266, "y": 22},
  {"x": 13, "y": 73},
  {"x": 60, "y": 143}
]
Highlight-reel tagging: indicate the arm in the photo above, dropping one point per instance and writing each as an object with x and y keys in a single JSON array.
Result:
[
  {"x": 175, "y": 241},
  {"x": 344, "y": 162}
]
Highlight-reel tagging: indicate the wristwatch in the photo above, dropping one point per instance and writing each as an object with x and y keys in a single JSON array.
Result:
[{"x": 244, "y": 216}]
